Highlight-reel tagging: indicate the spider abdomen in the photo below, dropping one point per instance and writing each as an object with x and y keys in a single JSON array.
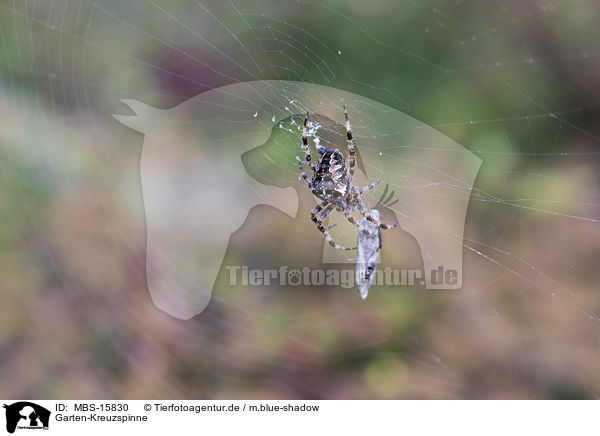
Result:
[{"x": 331, "y": 180}]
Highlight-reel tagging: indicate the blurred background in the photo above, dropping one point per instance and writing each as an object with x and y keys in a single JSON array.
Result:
[{"x": 515, "y": 82}]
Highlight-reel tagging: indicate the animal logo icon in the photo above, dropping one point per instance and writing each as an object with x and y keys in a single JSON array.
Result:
[
  {"x": 197, "y": 192},
  {"x": 26, "y": 415}
]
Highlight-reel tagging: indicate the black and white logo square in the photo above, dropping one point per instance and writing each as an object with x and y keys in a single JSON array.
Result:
[{"x": 25, "y": 415}]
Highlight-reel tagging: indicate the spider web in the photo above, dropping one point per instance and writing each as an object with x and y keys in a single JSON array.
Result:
[{"x": 514, "y": 85}]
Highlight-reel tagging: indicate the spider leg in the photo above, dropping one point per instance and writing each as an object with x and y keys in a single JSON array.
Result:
[
  {"x": 357, "y": 224},
  {"x": 364, "y": 212},
  {"x": 305, "y": 144},
  {"x": 318, "y": 222},
  {"x": 303, "y": 174},
  {"x": 350, "y": 141},
  {"x": 325, "y": 212},
  {"x": 366, "y": 188}
]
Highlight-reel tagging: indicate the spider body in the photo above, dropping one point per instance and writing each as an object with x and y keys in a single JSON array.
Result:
[
  {"x": 332, "y": 184},
  {"x": 331, "y": 179}
]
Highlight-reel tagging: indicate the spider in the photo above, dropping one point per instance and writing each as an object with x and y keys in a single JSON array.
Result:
[{"x": 332, "y": 184}]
